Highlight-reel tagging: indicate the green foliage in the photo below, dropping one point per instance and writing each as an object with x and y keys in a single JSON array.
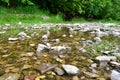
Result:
[{"x": 93, "y": 9}]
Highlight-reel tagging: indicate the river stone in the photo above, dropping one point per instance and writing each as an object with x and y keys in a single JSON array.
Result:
[
  {"x": 115, "y": 75},
  {"x": 106, "y": 58},
  {"x": 22, "y": 34},
  {"x": 41, "y": 48},
  {"x": 97, "y": 40},
  {"x": 59, "y": 71},
  {"x": 12, "y": 39},
  {"x": 60, "y": 49},
  {"x": 90, "y": 75},
  {"x": 102, "y": 61},
  {"x": 71, "y": 70},
  {"x": 43, "y": 68}
]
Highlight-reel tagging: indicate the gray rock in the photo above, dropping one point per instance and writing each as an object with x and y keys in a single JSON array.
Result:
[
  {"x": 59, "y": 71},
  {"x": 43, "y": 68},
  {"x": 97, "y": 40},
  {"x": 22, "y": 34},
  {"x": 115, "y": 33},
  {"x": 83, "y": 50},
  {"x": 71, "y": 70},
  {"x": 102, "y": 61},
  {"x": 115, "y": 75},
  {"x": 41, "y": 48},
  {"x": 106, "y": 58},
  {"x": 12, "y": 39},
  {"x": 60, "y": 49},
  {"x": 116, "y": 54}
]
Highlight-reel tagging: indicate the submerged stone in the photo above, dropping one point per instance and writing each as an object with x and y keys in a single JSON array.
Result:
[{"x": 43, "y": 68}]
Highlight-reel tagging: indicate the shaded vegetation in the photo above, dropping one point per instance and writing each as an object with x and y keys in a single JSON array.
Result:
[{"x": 89, "y": 9}]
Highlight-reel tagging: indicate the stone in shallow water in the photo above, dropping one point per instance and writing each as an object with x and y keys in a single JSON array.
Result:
[
  {"x": 59, "y": 71},
  {"x": 115, "y": 75},
  {"x": 43, "y": 68},
  {"x": 97, "y": 40},
  {"x": 22, "y": 34},
  {"x": 70, "y": 69},
  {"x": 12, "y": 39},
  {"x": 60, "y": 49},
  {"x": 90, "y": 75},
  {"x": 103, "y": 60},
  {"x": 41, "y": 48},
  {"x": 106, "y": 58}
]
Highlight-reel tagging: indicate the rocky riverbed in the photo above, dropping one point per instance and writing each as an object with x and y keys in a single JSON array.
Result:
[{"x": 86, "y": 51}]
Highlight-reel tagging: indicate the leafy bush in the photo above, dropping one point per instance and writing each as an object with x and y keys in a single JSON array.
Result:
[{"x": 96, "y": 9}]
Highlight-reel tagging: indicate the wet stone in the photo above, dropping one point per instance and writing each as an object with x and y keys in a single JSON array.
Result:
[
  {"x": 90, "y": 75},
  {"x": 115, "y": 75},
  {"x": 12, "y": 39},
  {"x": 59, "y": 71},
  {"x": 43, "y": 68},
  {"x": 40, "y": 49},
  {"x": 71, "y": 70},
  {"x": 106, "y": 58},
  {"x": 60, "y": 49}
]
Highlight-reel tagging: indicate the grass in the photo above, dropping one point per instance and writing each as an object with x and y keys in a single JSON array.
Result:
[
  {"x": 33, "y": 15},
  {"x": 27, "y": 15}
]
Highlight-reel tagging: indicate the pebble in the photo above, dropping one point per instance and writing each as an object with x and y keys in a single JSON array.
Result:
[
  {"x": 70, "y": 69},
  {"x": 12, "y": 39},
  {"x": 90, "y": 75},
  {"x": 59, "y": 71},
  {"x": 43, "y": 68},
  {"x": 106, "y": 58}
]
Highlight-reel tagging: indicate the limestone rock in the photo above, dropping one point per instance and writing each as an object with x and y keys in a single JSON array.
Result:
[
  {"x": 115, "y": 75},
  {"x": 59, "y": 71},
  {"x": 70, "y": 69},
  {"x": 41, "y": 48},
  {"x": 43, "y": 68}
]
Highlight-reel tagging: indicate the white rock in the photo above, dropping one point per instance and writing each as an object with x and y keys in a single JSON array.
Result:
[
  {"x": 64, "y": 35},
  {"x": 40, "y": 48},
  {"x": 48, "y": 45},
  {"x": 71, "y": 31},
  {"x": 12, "y": 39},
  {"x": 97, "y": 40},
  {"x": 58, "y": 48},
  {"x": 115, "y": 33},
  {"x": 70, "y": 69},
  {"x": 45, "y": 37},
  {"x": 57, "y": 40},
  {"x": 106, "y": 58},
  {"x": 20, "y": 23},
  {"x": 71, "y": 36},
  {"x": 22, "y": 34},
  {"x": 115, "y": 75}
]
